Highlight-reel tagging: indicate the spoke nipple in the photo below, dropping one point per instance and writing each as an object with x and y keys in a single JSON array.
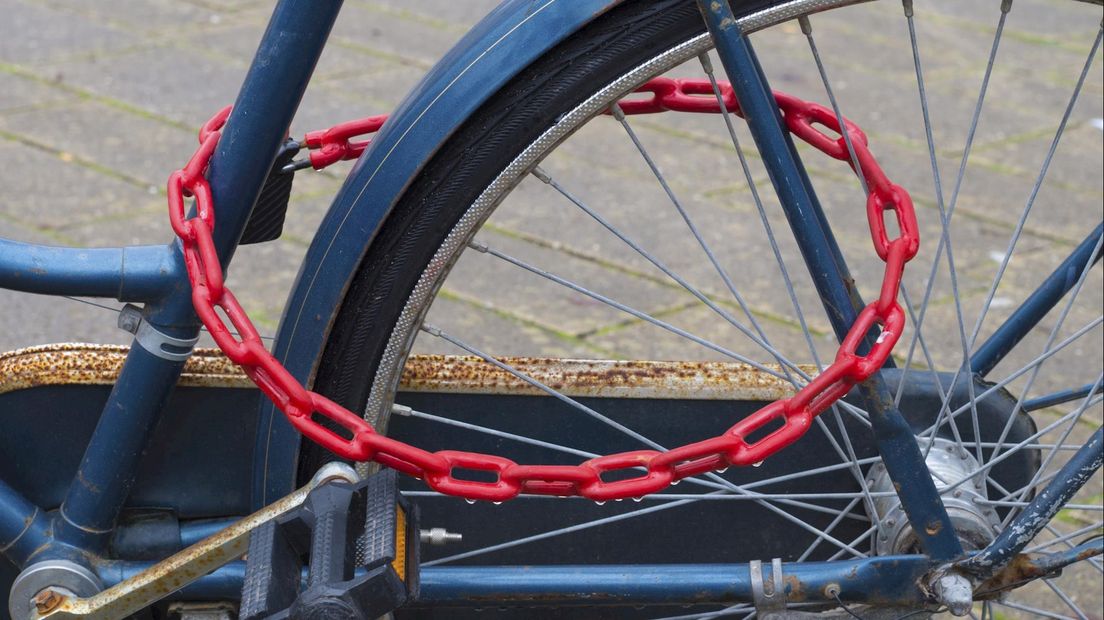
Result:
[
  {"x": 1006, "y": 6},
  {"x": 431, "y": 330},
  {"x": 617, "y": 112},
  {"x": 438, "y": 536},
  {"x": 907, "y": 4},
  {"x": 540, "y": 174},
  {"x": 403, "y": 410},
  {"x": 706, "y": 63},
  {"x": 806, "y": 25},
  {"x": 832, "y": 590},
  {"x": 478, "y": 247}
]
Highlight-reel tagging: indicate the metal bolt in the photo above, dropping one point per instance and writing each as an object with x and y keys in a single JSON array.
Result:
[
  {"x": 956, "y": 592},
  {"x": 47, "y": 601}
]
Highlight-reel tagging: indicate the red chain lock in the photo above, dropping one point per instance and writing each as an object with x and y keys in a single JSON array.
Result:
[{"x": 656, "y": 470}]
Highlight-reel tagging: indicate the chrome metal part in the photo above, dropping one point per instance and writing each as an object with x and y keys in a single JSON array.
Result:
[
  {"x": 974, "y": 521},
  {"x": 438, "y": 536},
  {"x": 153, "y": 340},
  {"x": 66, "y": 579},
  {"x": 334, "y": 471},
  {"x": 768, "y": 595},
  {"x": 955, "y": 591}
]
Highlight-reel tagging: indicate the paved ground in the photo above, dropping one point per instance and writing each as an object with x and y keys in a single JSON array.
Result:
[{"x": 99, "y": 101}]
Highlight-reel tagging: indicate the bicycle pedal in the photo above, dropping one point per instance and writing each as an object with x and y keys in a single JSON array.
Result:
[
  {"x": 358, "y": 544},
  {"x": 266, "y": 222}
]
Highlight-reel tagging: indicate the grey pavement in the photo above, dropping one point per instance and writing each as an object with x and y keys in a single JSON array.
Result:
[{"x": 99, "y": 101}]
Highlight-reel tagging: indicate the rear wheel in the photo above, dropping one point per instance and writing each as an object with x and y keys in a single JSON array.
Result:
[{"x": 659, "y": 240}]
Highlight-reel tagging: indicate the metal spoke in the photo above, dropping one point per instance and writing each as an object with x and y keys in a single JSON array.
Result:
[
  {"x": 970, "y": 134},
  {"x": 945, "y": 235},
  {"x": 1065, "y": 598},
  {"x": 1076, "y": 534},
  {"x": 433, "y": 331},
  {"x": 658, "y": 264},
  {"x": 1049, "y": 458},
  {"x": 1033, "y": 610},
  {"x": 480, "y": 247},
  {"x": 992, "y": 462},
  {"x": 950, "y": 416},
  {"x": 560, "y": 531},
  {"x": 721, "y": 271},
  {"x": 405, "y": 411},
  {"x": 1037, "y": 186}
]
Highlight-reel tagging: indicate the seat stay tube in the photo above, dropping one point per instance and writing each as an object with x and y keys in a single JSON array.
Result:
[
  {"x": 255, "y": 131},
  {"x": 894, "y": 438}
]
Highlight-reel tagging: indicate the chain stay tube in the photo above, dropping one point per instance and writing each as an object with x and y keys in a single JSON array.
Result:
[{"x": 783, "y": 421}]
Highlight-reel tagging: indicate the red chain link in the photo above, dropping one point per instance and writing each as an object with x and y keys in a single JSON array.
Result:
[{"x": 780, "y": 423}]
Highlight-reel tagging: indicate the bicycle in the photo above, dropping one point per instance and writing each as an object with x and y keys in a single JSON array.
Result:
[{"x": 351, "y": 316}]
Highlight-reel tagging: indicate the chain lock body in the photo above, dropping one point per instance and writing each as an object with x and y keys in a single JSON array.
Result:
[{"x": 788, "y": 418}]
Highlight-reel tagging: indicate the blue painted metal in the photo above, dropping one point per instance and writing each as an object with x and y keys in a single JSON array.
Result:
[
  {"x": 137, "y": 273},
  {"x": 498, "y": 48},
  {"x": 24, "y": 528},
  {"x": 265, "y": 106},
  {"x": 1050, "y": 562},
  {"x": 1037, "y": 515},
  {"x": 110, "y": 461},
  {"x": 895, "y": 438},
  {"x": 1036, "y": 306},
  {"x": 1057, "y": 398},
  {"x": 882, "y": 580}
]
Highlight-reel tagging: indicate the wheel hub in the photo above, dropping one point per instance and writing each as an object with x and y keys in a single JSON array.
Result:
[{"x": 964, "y": 496}]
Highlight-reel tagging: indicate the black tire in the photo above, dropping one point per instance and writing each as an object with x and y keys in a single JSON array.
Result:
[{"x": 469, "y": 162}]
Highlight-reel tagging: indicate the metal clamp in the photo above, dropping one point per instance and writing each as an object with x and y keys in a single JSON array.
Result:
[
  {"x": 769, "y": 602},
  {"x": 156, "y": 342}
]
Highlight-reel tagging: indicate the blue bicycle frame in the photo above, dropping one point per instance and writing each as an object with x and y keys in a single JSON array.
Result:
[{"x": 503, "y": 44}]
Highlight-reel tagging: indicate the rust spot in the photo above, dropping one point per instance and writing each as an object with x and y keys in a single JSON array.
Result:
[
  {"x": 595, "y": 378},
  {"x": 98, "y": 364},
  {"x": 795, "y": 589},
  {"x": 1020, "y": 570}
]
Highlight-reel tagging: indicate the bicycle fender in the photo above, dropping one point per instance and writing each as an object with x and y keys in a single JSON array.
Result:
[{"x": 499, "y": 47}]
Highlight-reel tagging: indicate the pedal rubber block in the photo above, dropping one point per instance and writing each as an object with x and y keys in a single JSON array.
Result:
[{"x": 350, "y": 551}]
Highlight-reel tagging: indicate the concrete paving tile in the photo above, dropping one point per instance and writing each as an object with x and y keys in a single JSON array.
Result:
[
  {"x": 131, "y": 145},
  {"x": 57, "y": 34},
  {"x": 19, "y": 93},
  {"x": 74, "y": 193},
  {"x": 493, "y": 334},
  {"x": 133, "y": 79},
  {"x": 497, "y": 283}
]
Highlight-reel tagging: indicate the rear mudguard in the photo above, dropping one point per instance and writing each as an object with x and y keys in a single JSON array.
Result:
[{"x": 509, "y": 39}]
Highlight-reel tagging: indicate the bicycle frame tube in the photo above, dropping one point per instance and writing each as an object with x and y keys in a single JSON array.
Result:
[{"x": 895, "y": 440}]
